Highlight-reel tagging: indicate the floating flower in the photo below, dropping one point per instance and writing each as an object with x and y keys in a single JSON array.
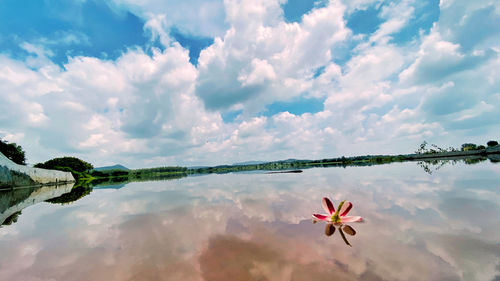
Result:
[{"x": 338, "y": 217}]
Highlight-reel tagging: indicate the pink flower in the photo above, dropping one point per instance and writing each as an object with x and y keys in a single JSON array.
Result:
[{"x": 338, "y": 217}]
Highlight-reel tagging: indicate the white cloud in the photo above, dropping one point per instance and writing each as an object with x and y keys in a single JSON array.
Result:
[
  {"x": 198, "y": 17},
  {"x": 258, "y": 34},
  {"x": 260, "y": 72},
  {"x": 102, "y": 108},
  {"x": 438, "y": 59},
  {"x": 397, "y": 15}
]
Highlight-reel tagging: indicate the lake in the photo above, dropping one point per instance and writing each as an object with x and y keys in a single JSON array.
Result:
[{"x": 419, "y": 225}]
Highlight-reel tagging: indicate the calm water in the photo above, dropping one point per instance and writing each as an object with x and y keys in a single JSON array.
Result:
[{"x": 419, "y": 226}]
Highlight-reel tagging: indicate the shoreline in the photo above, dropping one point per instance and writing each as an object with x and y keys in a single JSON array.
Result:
[
  {"x": 13, "y": 175},
  {"x": 285, "y": 166}
]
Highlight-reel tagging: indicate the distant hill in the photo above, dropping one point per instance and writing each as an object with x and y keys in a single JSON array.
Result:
[
  {"x": 196, "y": 167},
  {"x": 114, "y": 167},
  {"x": 291, "y": 160},
  {"x": 249, "y": 163}
]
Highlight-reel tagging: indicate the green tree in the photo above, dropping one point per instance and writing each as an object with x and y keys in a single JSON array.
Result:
[
  {"x": 13, "y": 151},
  {"x": 73, "y": 163},
  {"x": 469, "y": 146},
  {"x": 492, "y": 143}
]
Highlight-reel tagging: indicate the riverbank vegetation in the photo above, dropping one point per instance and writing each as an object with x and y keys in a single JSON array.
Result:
[
  {"x": 13, "y": 151},
  {"x": 120, "y": 175},
  {"x": 79, "y": 168},
  {"x": 85, "y": 174},
  {"x": 425, "y": 151},
  {"x": 430, "y": 157}
]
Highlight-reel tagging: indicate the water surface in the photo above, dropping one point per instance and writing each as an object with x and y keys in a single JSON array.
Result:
[{"x": 257, "y": 226}]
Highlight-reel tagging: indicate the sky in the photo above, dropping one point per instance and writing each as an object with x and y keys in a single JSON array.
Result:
[{"x": 148, "y": 83}]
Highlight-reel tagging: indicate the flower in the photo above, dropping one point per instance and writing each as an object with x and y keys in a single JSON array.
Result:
[{"x": 338, "y": 217}]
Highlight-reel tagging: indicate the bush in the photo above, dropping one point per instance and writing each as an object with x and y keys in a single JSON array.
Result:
[
  {"x": 73, "y": 163},
  {"x": 492, "y": 143},
  {"x": 468, "y": 146},
  {"x": 13, "y": 151}
]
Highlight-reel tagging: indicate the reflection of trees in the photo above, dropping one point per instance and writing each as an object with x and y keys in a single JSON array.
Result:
[
  {"x": 75, "y": 194},
  {"x": 12, "y": 218},
  {"x": 13, "y": 201},
  {"x": 494, "y": 158},
  {"x": 433, "y": 165},
  {"x": 104, "y": 181},
  {"x": 472, "y": 161}
]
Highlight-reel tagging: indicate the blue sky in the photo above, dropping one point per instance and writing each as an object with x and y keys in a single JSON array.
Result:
[
  {"x": 147, "y": 83},
  {"x": 69, "y": 28}
]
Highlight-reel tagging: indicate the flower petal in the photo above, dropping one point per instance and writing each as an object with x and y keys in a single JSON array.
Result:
[
  {"x": 321, "y": 217},
  {"x": 328, "y": 206},
  {"x": 351, "y": 219},
  {"x": 345, "y": 208}
]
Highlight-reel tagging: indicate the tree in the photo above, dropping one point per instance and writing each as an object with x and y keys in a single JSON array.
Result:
[
  {"x": 13, "y": 151},
  {"x": 492, "y": 143},
  {"x": 468, "y": 146},
  {"x": 422, "y": 148},
  {"x": 73, "y": 163}
]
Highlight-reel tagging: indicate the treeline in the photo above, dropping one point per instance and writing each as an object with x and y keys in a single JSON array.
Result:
[
  {"x": 366, "y": 160},
  {"x": 114, "y": 180},
  {"x": 84, "y": 172},
  {"x": 119, "y": 175}
]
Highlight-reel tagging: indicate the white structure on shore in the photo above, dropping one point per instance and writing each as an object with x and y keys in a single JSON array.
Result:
[{"x": 8, "y": 177}]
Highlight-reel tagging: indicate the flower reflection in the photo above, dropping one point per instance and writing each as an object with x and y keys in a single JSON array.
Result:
[{"x": 338, "y": 217}]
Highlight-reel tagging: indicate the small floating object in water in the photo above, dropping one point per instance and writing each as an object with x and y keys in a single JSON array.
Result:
[{"x": 337, "y": 218}]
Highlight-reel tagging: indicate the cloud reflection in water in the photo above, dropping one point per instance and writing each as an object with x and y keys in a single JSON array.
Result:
[{"x": 257, "y": 227}]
